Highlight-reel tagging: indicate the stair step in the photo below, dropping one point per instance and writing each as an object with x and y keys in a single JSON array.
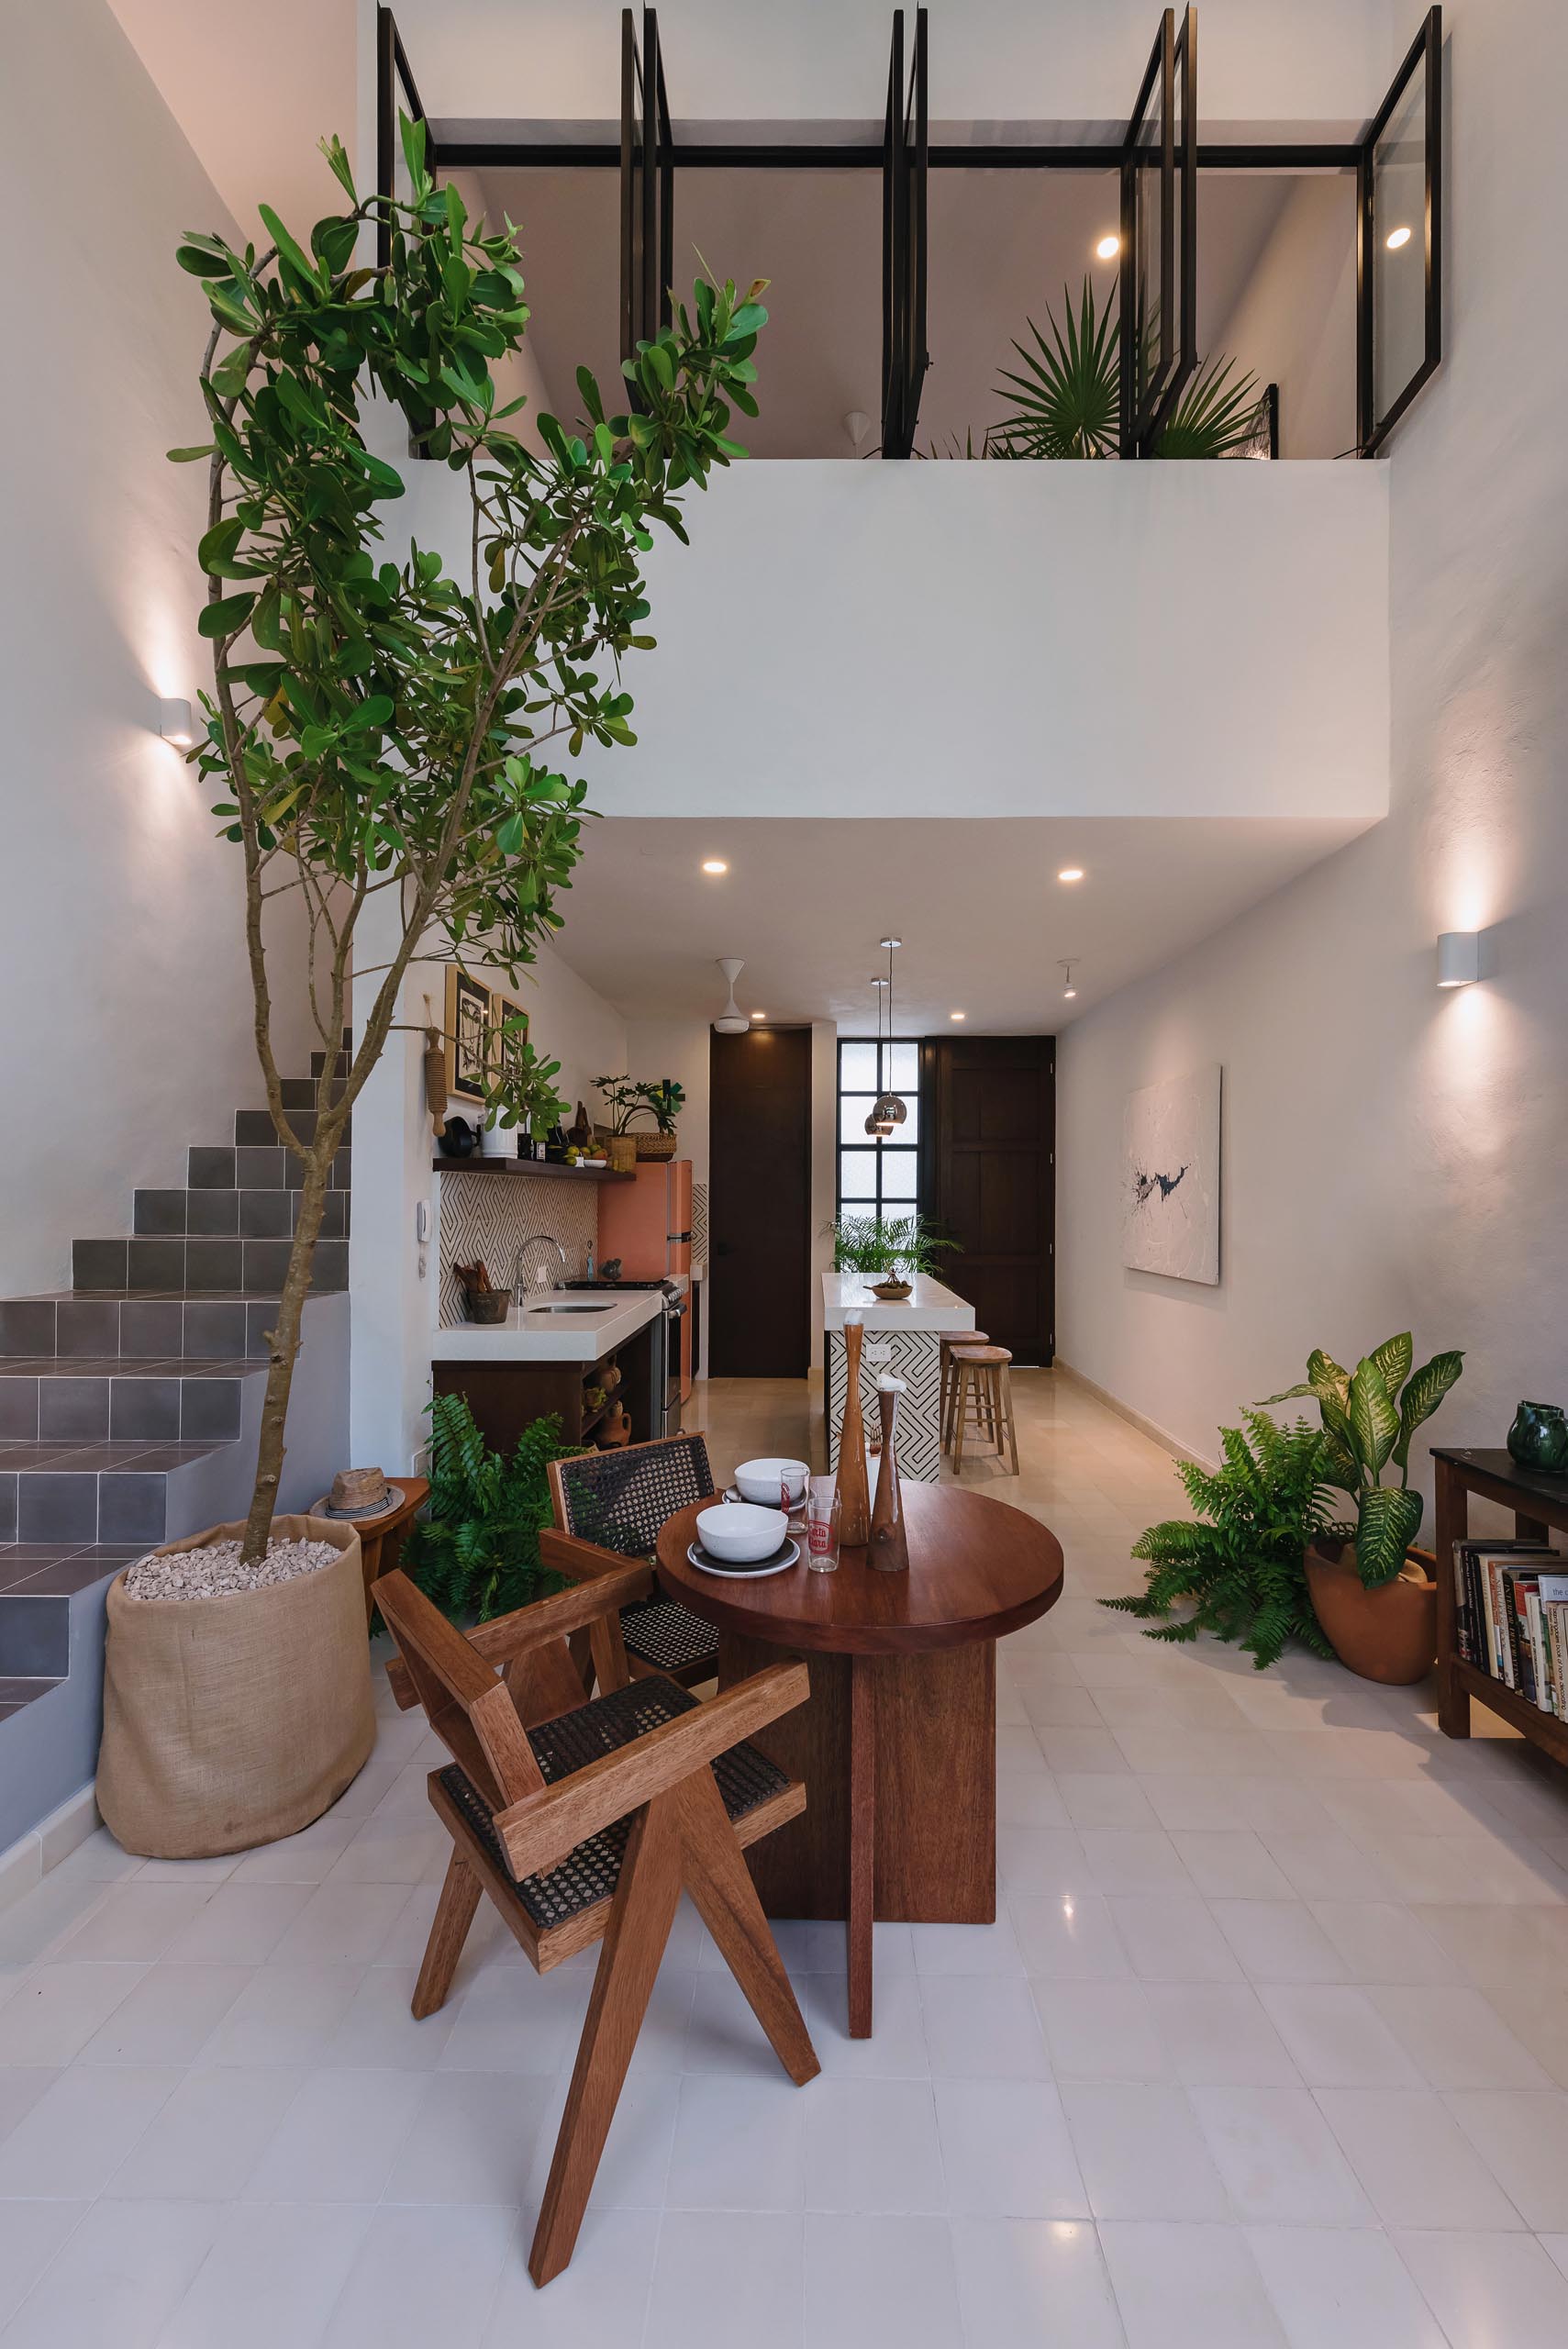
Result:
[
  {"x": 68, "y": 1400},
  {"x": 205, "y": 1267},
  {"x": 254, "y": 1130},
  {"x": 118, "y": 1324},
  {"x": 19, "y": 1689},
  {"x": 268, "y": 1214},
  {"x": 340, "y": 1062},
  {"x": 103, "y": 1492},
  {"x": 225, "y": 1166},
  {"x": 299, "y": 1092}
]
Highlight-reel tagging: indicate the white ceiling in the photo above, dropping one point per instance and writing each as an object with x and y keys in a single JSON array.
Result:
[
  {"x": 1003, "y": 244},
  {"x": 983, "y": 919}
]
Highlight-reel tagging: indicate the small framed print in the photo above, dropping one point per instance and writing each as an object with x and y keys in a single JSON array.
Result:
[
  {"x": 501, "y": 1009},
  {"x": 467, "y": 1024}
]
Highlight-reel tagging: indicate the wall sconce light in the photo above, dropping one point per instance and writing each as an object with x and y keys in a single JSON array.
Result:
[
  {"x": 176, "y": 724},
  {"x": 1459, "y": 958}
]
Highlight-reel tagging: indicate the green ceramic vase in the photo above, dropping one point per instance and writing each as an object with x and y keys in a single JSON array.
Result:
[{"x": 1539, "y": 1438}]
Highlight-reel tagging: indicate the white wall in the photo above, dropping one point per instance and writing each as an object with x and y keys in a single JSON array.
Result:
[
  {"x": 1394, "y": 1156},
  {"x": 1295, "y": 324},
  {"x": 122, "y": 960}
]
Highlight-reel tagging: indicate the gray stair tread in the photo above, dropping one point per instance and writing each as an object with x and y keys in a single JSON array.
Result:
[
  {"x": 15, "y": 1694},
  {"x": 105, "y": 1459},
  {"x": 35, "y": 1569},
  {"x": 128, "y": 1366},
  {"x": 152, "y": 1296}
]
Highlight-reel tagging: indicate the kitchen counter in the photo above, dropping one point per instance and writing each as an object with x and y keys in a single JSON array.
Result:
[
  {"x": 904, "y": 1340},
  {"x": 586, "y": 1336},
  {"x": 928, "y": 1305}
]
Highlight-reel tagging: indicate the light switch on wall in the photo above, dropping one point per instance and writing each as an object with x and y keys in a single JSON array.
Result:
[{"x": 422, "y": 1222}]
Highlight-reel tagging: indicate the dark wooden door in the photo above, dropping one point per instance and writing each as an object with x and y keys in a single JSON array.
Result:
[
  {"x": 760, "y": 1203},
  {"x": 988, "y": 1179}
]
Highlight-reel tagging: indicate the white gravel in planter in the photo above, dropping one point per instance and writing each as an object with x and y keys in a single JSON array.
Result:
[{"x": 215, "y": 1571}]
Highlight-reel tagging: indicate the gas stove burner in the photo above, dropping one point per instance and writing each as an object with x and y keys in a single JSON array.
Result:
[{"x": 668, "y": 1287}]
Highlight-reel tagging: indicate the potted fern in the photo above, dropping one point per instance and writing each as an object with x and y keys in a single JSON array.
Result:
[
  {"x": 1239, "y": 1566},
  {"x": 474, "y": 1546},
  {"x": 1372, "y": 1591}
]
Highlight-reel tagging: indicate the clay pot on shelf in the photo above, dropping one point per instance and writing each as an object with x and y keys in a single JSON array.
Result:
[{"x": 1389, "y": 1633}]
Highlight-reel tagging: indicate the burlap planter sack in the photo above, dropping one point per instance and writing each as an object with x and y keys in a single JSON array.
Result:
[{"x": 232, "y": 1721}]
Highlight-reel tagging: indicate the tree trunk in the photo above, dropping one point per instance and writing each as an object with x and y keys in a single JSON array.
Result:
[{"x": 283, "y": 1345}]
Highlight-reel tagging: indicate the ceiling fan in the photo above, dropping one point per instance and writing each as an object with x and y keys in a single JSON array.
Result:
[{"x": 731, "y": 1021}]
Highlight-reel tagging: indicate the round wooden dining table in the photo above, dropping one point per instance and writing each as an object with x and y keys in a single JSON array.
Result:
[{"x": 897, "y": 1745}]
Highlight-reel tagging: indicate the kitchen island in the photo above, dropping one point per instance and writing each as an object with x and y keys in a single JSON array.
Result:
[{"x": 904, "y": 1340}]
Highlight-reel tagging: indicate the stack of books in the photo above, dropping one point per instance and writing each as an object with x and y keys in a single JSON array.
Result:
[{"x": 1511, "y": 1601}]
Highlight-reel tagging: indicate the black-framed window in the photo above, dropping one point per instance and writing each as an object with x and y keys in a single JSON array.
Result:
[{"x": 880, "y": 1178}]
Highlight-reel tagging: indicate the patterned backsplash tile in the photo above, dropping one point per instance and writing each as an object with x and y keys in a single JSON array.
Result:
[{"x": 490, "y": 1216}]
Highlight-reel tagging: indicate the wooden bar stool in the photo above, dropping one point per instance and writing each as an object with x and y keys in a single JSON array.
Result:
[
  {"x": 949, "y": 1340},
  {"x": 983, "y": 1400}
]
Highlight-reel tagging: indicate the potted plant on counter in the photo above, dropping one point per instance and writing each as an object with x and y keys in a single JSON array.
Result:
[
  {"x": 663, "y": 1102},
  {"x": 1373, "y": 1593},
  {"x": 887, "y": 1254},
  {"x": 628, "y": 1097}
]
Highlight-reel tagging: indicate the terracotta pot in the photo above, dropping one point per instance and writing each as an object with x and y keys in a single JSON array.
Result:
[{"x": 1388, "y": 1634}]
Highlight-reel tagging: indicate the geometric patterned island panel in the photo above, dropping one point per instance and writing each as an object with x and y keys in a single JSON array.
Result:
[{"x": 913, "y": 1355}]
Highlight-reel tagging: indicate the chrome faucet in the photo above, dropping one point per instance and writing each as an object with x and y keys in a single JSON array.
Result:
[{"x": 528, "y": 1276}]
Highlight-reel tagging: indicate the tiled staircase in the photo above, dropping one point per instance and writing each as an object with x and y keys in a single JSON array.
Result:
[{"x": 129, "y": 1403}]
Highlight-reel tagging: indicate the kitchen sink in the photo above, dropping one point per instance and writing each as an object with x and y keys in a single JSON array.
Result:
[{"x": 554, "y": 1307}]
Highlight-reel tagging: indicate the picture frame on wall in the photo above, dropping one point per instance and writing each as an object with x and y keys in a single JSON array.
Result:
[
  {"x": 1171, "y": 1177},
  {"x": 468, "y": 1019},
  {"x": 501, "y": 1009}
]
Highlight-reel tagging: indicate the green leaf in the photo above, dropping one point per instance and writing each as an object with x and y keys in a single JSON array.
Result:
[
  {"x": 1374, "y": 1422},
  {"x": 1425, "y": 1391},
  {"x": 218, "y": 543},
  {"x": 222, "y": 618},
  {"x": 203, "y": 265},
  {"x": 187, "y": 456},
  {"x": 338, "y": 162},
  {"x": 1389, "y": 1523},
  {"x": 1393, "y": 1358},
  {"x": 287, "y": 247}
]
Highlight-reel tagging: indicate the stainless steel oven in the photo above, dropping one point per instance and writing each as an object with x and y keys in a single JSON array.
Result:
[{"x": 664, "y": 1383}]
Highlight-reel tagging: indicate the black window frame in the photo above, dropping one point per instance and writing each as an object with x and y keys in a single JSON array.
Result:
[{"x": 885, "y": 1209}]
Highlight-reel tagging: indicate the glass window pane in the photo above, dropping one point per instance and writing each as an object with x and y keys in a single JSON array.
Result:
[
  {"x": 900, "y": 1176},
  {"x": 1399, "y": 244},
  {"x": 854, "y": 1109},
  {"x": 857, "y": 1068},
  {"x": 909, "y": 1131},
  {"x": 902, "y": 1067},
  {"x": 857, "y": 1174}
]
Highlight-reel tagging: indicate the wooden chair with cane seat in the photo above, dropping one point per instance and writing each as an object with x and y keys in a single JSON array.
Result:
[
  {"x": 610, "y": 1505},
  {"x": 584, "y": 1821}
]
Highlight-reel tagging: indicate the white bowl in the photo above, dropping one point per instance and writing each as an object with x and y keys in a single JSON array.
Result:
[
  {"x": 740, "y": 1534},
  {"x": 763, "y": 1480}
]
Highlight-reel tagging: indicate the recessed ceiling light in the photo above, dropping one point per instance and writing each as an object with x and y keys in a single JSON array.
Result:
[
  {"x": 714, "y": 864},
  {"x": 1398, "y": 236},
  {"x": 1071, "y": 873},
  {"x": 759, "y": 1015},
  {"x": 1068, "y": 994},
  {"x": 1108, "y": 247},
  {"x": 955, "y": 1015}
]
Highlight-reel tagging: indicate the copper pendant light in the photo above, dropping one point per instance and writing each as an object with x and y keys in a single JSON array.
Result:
[{"x": 888, "y": 1109}]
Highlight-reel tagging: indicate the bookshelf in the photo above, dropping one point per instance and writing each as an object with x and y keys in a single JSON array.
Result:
[{"x": 1540, "y": 1507}]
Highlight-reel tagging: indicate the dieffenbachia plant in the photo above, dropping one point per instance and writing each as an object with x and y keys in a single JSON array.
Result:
[
  {"x": 1370, "y": 1415},
  {"x": 378, "y": 728}
]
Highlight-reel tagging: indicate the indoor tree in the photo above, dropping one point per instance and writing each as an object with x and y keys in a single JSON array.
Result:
[{"x": 379, "y": 726}]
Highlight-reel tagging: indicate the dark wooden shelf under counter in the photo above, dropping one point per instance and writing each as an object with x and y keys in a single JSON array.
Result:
[
  {"x": 1539, "y": 1504},
  {"x": 544, "y": 1166}
]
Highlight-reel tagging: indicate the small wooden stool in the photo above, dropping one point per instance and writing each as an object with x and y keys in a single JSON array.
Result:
[
  {"x": 382, "y": 1537},
  {"x": 982, "y": 1399},
  {"x": 949, "y": 1340}
]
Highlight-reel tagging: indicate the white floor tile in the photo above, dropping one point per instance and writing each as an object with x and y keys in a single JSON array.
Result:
[
  {"x": 512, "y": 2020},
  {"x": 1230, "y": 1864},
  {"x": 1218, "y": 2034},
  {"x": 968, "y": 1949},
  {"x": 740, "y": 2145},
  {"x": 50, "y": 2016},
  {"x": 303, "y": 1858},
  {"x": 1337, "y": 2037},
  {"x": 377, "y": 2027},
  {"x": 1173, "y": 1937},
  {"x": 81, "y": 2128},
  {"x": 1188, "y": 2287},
  {"x": 118, "y": 2278},
  {"x": 1141, "y": 2152},
  {"x": 423, "y": 2278},
  {"x": 1023, "y": 2283},
  {"x": 599, "y": 2303},
  {"x": 19, "y": 2091},
  {"x": 1069, "y": 1940},
  {"x": 634, "y": 2169},
  {"x": 724, "y": 2276},
  {"x": 472, "y": 2140},
  {"x": 897, "y": 2048},
  {"x": 1106, "y": 1800},
  {"x": 1007, "y": 2150},
  {"x": 1415, "y": 2162},
  {"x": 1047, "y": 1861},
  {"x": 137, "y": 1921},
  {"x": 271, "y": 2277},
  {"x": 1336, "y": 2288},
  {"x": 984, "y": 2030},
  {"x": 30, "y": 2234},
  {"x": 285, "y": 2015},
  {"x": 1278, "y": 2158},
  {"x": 1522, "y": 2136},
  {"x": 207, "y": 2140},
  {"x": 880, "y": 2279},
  {"x": 872, "y": 2146},
  {"x": 241, "y": 1925},
  {"x": 1457, "y": 2039},
  {"x": 340, "y": 1923},
  {"x": 339, "y": 2139},
  {"x": 1381, "y": 1942},
  {"x": 1101, "y": 2031},
  {"x": 1489, "y": 2291},
  {"x": 1278, "y": 1940},
  {"x": 1133, "y": 1860},
  {"x": 169, "y": 2016}
]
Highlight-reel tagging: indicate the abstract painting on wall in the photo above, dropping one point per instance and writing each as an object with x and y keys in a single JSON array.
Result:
[{"x": 1170, "y": 1209}]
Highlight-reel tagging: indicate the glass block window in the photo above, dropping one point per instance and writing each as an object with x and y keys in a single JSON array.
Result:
[{"x": 880, "y": 1178}]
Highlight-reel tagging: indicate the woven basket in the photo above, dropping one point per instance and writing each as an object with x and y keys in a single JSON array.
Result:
[
  {"x": 655, "y": 1145},
  {"x": 620, "y": 1151}
]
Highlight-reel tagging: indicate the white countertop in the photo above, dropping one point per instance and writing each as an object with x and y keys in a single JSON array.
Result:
[
  {"x": 928, "y": 1305},
  {"x": 526, "y": 1336}
]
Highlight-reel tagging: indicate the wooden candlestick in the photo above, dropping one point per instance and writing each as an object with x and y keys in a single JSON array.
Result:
[
  {"x": 889, "y": 1546},
  {"x": 854, "y": 1501}
]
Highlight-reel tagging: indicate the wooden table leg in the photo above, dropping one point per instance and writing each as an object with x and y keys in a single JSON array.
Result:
[{"x": 862, "y": 1902}]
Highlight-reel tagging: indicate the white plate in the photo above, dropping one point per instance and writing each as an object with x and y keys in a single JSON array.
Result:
[{"x": 745, "y": 1574}]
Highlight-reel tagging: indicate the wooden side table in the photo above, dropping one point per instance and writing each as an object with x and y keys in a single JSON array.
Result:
[
  {"x": 1538, "y": 1502},
  {"x": 382, "y": 1538}
]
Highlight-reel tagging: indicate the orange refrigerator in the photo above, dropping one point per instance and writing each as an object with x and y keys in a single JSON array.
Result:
[{"x": 648, "y": 1224}]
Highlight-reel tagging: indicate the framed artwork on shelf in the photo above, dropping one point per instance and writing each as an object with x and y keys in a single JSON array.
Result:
[
  {"x": 467, "y": 1024},
  {"x": 1170, "y": 1216},
  {"x": 501, "y": 1009}
]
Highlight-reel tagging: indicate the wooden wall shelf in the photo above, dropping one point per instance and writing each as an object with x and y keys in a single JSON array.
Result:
[
  {"x": 1538, "y": 1505},
  {"x": 544, "y": 1166}
]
